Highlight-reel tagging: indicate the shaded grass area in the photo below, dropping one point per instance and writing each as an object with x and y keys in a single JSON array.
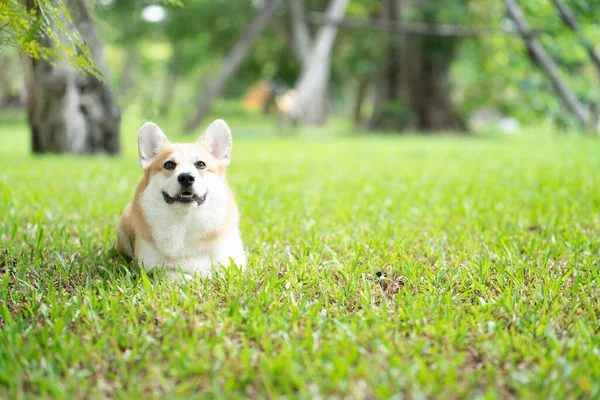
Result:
[{"x": 379, "y": 266}]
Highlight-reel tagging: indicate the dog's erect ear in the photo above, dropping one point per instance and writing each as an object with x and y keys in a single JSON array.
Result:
[
  {"x": 217, "y": 139},
  {"x": 151, "y": 140}
]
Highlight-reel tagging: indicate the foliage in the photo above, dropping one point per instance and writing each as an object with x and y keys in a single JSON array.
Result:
[
  {"x": 415, "y": 267},
  {"x": 493, "y": 71},
  {"x": 10, "y": 76},
  {"x": 46, "y": 31},
  {"x": 497, "y": 72}
]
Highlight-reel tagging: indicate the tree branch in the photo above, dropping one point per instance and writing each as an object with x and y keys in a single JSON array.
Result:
[
  {"x": 232, "y": 62},
  {"x": 406, "y": 28},
  {"x": 570, "y": 20},
  {"x": 540, "y": 57},
  {"x": 301, "y": 34}
]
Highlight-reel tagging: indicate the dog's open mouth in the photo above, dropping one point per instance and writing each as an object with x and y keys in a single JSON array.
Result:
[{"x": 185, "y": 197}]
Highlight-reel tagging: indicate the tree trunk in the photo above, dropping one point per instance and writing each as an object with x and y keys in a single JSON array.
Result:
[
  {"x": 311, "y": 107},
  {"x": 69, "y": 112},
  {"x": 301, "y": 35},
  {"x": 387, "y": 85},
  {"x": 361, "y": 95},
  {"x": 232, "y": 62},
  {"x": 539, "y": 56},
  {"x": 412, "y": 91},
  {"x": 303, "y": 45},
  {"x": 426, "y": 88}
]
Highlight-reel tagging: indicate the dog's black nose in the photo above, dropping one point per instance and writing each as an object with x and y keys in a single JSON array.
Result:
[{"x": 186, "y": 179}]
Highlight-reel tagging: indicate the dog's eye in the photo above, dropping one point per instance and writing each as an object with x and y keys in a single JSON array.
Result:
[
  {"x": 200, "y": 164},
  {"x": 170, "y": 165}
]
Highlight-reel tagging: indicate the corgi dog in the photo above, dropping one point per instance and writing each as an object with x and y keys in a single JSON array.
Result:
[{"x": 183, "y": 216}]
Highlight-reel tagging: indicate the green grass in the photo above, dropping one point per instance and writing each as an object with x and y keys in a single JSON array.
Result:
[{"x": 379, "y": 266}]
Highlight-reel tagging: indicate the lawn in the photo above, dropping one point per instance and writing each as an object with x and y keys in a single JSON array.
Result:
[{"x": 380, "y": 266}]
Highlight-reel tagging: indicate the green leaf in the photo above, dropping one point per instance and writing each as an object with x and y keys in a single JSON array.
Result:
[{"x": 31, "y": 34}]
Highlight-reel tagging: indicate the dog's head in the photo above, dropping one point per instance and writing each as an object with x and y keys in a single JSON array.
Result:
[{"x": 185, "y": 175}]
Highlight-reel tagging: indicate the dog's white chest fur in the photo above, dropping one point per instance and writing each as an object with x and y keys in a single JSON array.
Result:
[{"x": 179, "y": 238}]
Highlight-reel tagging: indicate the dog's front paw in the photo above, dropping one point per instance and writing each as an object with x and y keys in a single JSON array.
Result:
[{"x": 177, "y": 276}]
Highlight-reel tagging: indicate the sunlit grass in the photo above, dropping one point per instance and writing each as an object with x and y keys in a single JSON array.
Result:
[{"x": 379, "y": 265}]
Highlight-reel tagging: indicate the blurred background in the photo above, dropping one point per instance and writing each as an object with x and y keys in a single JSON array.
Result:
[{"x": 82, "y": 72}]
